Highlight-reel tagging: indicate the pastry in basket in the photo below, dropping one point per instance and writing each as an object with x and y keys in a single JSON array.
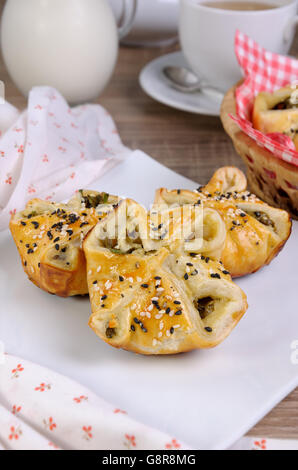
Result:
[
  {"x": 255, "y": 231},
  {"x": 277, "y": 112},
  {"x": 149, "y": 299},
  {"x": 49, "y": 240}
]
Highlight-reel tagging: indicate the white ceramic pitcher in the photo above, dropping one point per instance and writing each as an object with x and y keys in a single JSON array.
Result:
[{"x": 71, "y": 45}]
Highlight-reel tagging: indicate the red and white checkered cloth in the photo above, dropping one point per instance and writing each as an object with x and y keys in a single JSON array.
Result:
[{"x": 263, "y": 71}]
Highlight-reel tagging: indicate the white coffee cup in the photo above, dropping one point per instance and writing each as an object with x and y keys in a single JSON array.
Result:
[{"x": 207, "y": 36}]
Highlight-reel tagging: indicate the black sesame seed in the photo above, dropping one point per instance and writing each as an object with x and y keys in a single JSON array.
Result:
[
  {"x": 64, "y": 249},
  {"x": 242, "y": 214},
  {"x": 84, "y": 223},
  {"x": 168, "y": 310},
  {"x": 177, "y": 302},
  {"x": 133, "y": 328},
  {"x": 136, "y": 320},
  {"x": 172, "y": 330},
  {"x": 104, "y": 297},
  {"x": 121, "y": 279},
  {"x": 27, "y": 245},
  {"x": 207, "y": 259},
  {"x": 25, "y": 263},
  {"x": 179, "y": 312},
  {"x": 94, "y": 282},
  {"x": 23, "y": 223},
  {"x": 144, "y": 286},
  {"x": 57, "y": 246},
  {"x": 157, "y": 278},
  {"x": 102, "y": 305},
  {"x": 36, "y": 224},
  {"x": 189, "y": 264},
  {"x": 208, "y": 328},
  {"x": 56, "y": 239},
  {"x": 225, "y": 271},
  {"x": 215, "y": 275},
  {"x": 70, "y": 232},
  {"x": 39, "y": 265},
  {"x": 185, "y": 276},
  {"x": 29, "y": 251},
  {"x": 143, "y": 328},
  {"x": 49, "y": 234},
  {"x": 192, "y": 254}
]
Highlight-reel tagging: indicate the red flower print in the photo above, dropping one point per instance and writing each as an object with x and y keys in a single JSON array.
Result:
[
  {"x": 20, "y": 149},
  {"x": 73, "y": 125},
  {"x": 33, "y": 123},
  {"x": 72, "y": 175},
  {"x": 45, "y": 158},
  {"x": 80, "y": 399},
  {"x": 117, "y": 410},
  {"x": 31, "y": 189},
  {"x": 82, "y": 156},
  {"x": 64, "y": 139},
  {"x": 81, "y": 143},
  {"x": 87, "y": 434},
  {"x": 13, "y": 211},
  {"x": 18, "y": 129},
  {"x": 52, "y": 444},
  {"x": 38, "y": 106},
  {"x": 15, "y": 372},
  {"x": 57, "y": 125},
  {"x": 15, "y": 433},
  {"x": 51, "y": 114},
  {"x": 260, "y": 445},
  {"x": 62, "y": 149},
  {"x": 174, "y": 444},
  {"x": 8, "y": 180},
  {"x": 16, "y": 409},
  {"x": 42, "y": 387},
  {"x": 130, "y": 441},
  {"x": 49, "y": 424},
  {"x": 2, "y": 154}
]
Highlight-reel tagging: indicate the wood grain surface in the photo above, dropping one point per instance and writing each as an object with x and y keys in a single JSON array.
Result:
[{"x": 193, "y": 145}]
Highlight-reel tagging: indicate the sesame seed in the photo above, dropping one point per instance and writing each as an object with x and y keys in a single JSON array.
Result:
[
  {"x": 172, "y": 330},
  {"x": 215, "y": 275},
  {"x": 185, "y": 276},
  {"x": 179, "y": 312},
  {"x": 133, "y": 328},
  {"x": 57, "y": 246},
  {"x": 208, "y": 328},
  {"x": 121, "y": 279},
  {"x": 144, "y": 286}
]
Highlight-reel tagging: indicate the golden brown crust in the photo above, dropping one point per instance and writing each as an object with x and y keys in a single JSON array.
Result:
[
  {"x": 268, "y": 119},
  {"x": 255, "y": 232},
  {"x": 158, "y": 301},
  {"x": 49, "y": 236}
]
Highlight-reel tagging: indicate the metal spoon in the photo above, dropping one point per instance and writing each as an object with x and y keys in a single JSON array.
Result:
[{"x": 182, "y": 79}]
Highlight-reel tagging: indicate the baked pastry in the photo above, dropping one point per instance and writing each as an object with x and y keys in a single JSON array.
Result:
[
  {"x": 149, "y": 299},
  {"x": 255, "y": 231},
  {"x": 49, "y": 240},
  {"x": 277, "y": 112}
]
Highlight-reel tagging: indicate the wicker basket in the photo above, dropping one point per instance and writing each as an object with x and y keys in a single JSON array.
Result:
[{"x": 270, "y": 178}]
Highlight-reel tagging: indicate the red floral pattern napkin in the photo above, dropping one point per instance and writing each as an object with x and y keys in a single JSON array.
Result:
[
  {"x": 42, "y": 410},
  {"x": 263, "y": 71}
]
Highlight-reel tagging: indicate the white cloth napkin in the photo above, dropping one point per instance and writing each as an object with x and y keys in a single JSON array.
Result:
[
  {"x": 40, "y": 409},
  {"x": 50, "y": 150}
]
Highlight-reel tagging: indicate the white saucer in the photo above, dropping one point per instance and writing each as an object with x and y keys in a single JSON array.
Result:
[{"x": 155, "y": 85}]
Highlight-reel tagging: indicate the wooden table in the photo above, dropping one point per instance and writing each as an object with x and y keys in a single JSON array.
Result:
[{"x": 190, "y": 144}]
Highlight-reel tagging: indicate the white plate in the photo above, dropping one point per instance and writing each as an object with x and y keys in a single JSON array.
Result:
[
  {"x": 155, "y": 85},
  {"x": 207, "y": 398}
]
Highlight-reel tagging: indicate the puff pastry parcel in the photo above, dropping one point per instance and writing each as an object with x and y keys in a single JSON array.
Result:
[
  {"x": 49, "y": 240},
  {"x": 277, "y": 112},
  {"x": 149, "y": 295},
  {"x": 255, "y": 231}
]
